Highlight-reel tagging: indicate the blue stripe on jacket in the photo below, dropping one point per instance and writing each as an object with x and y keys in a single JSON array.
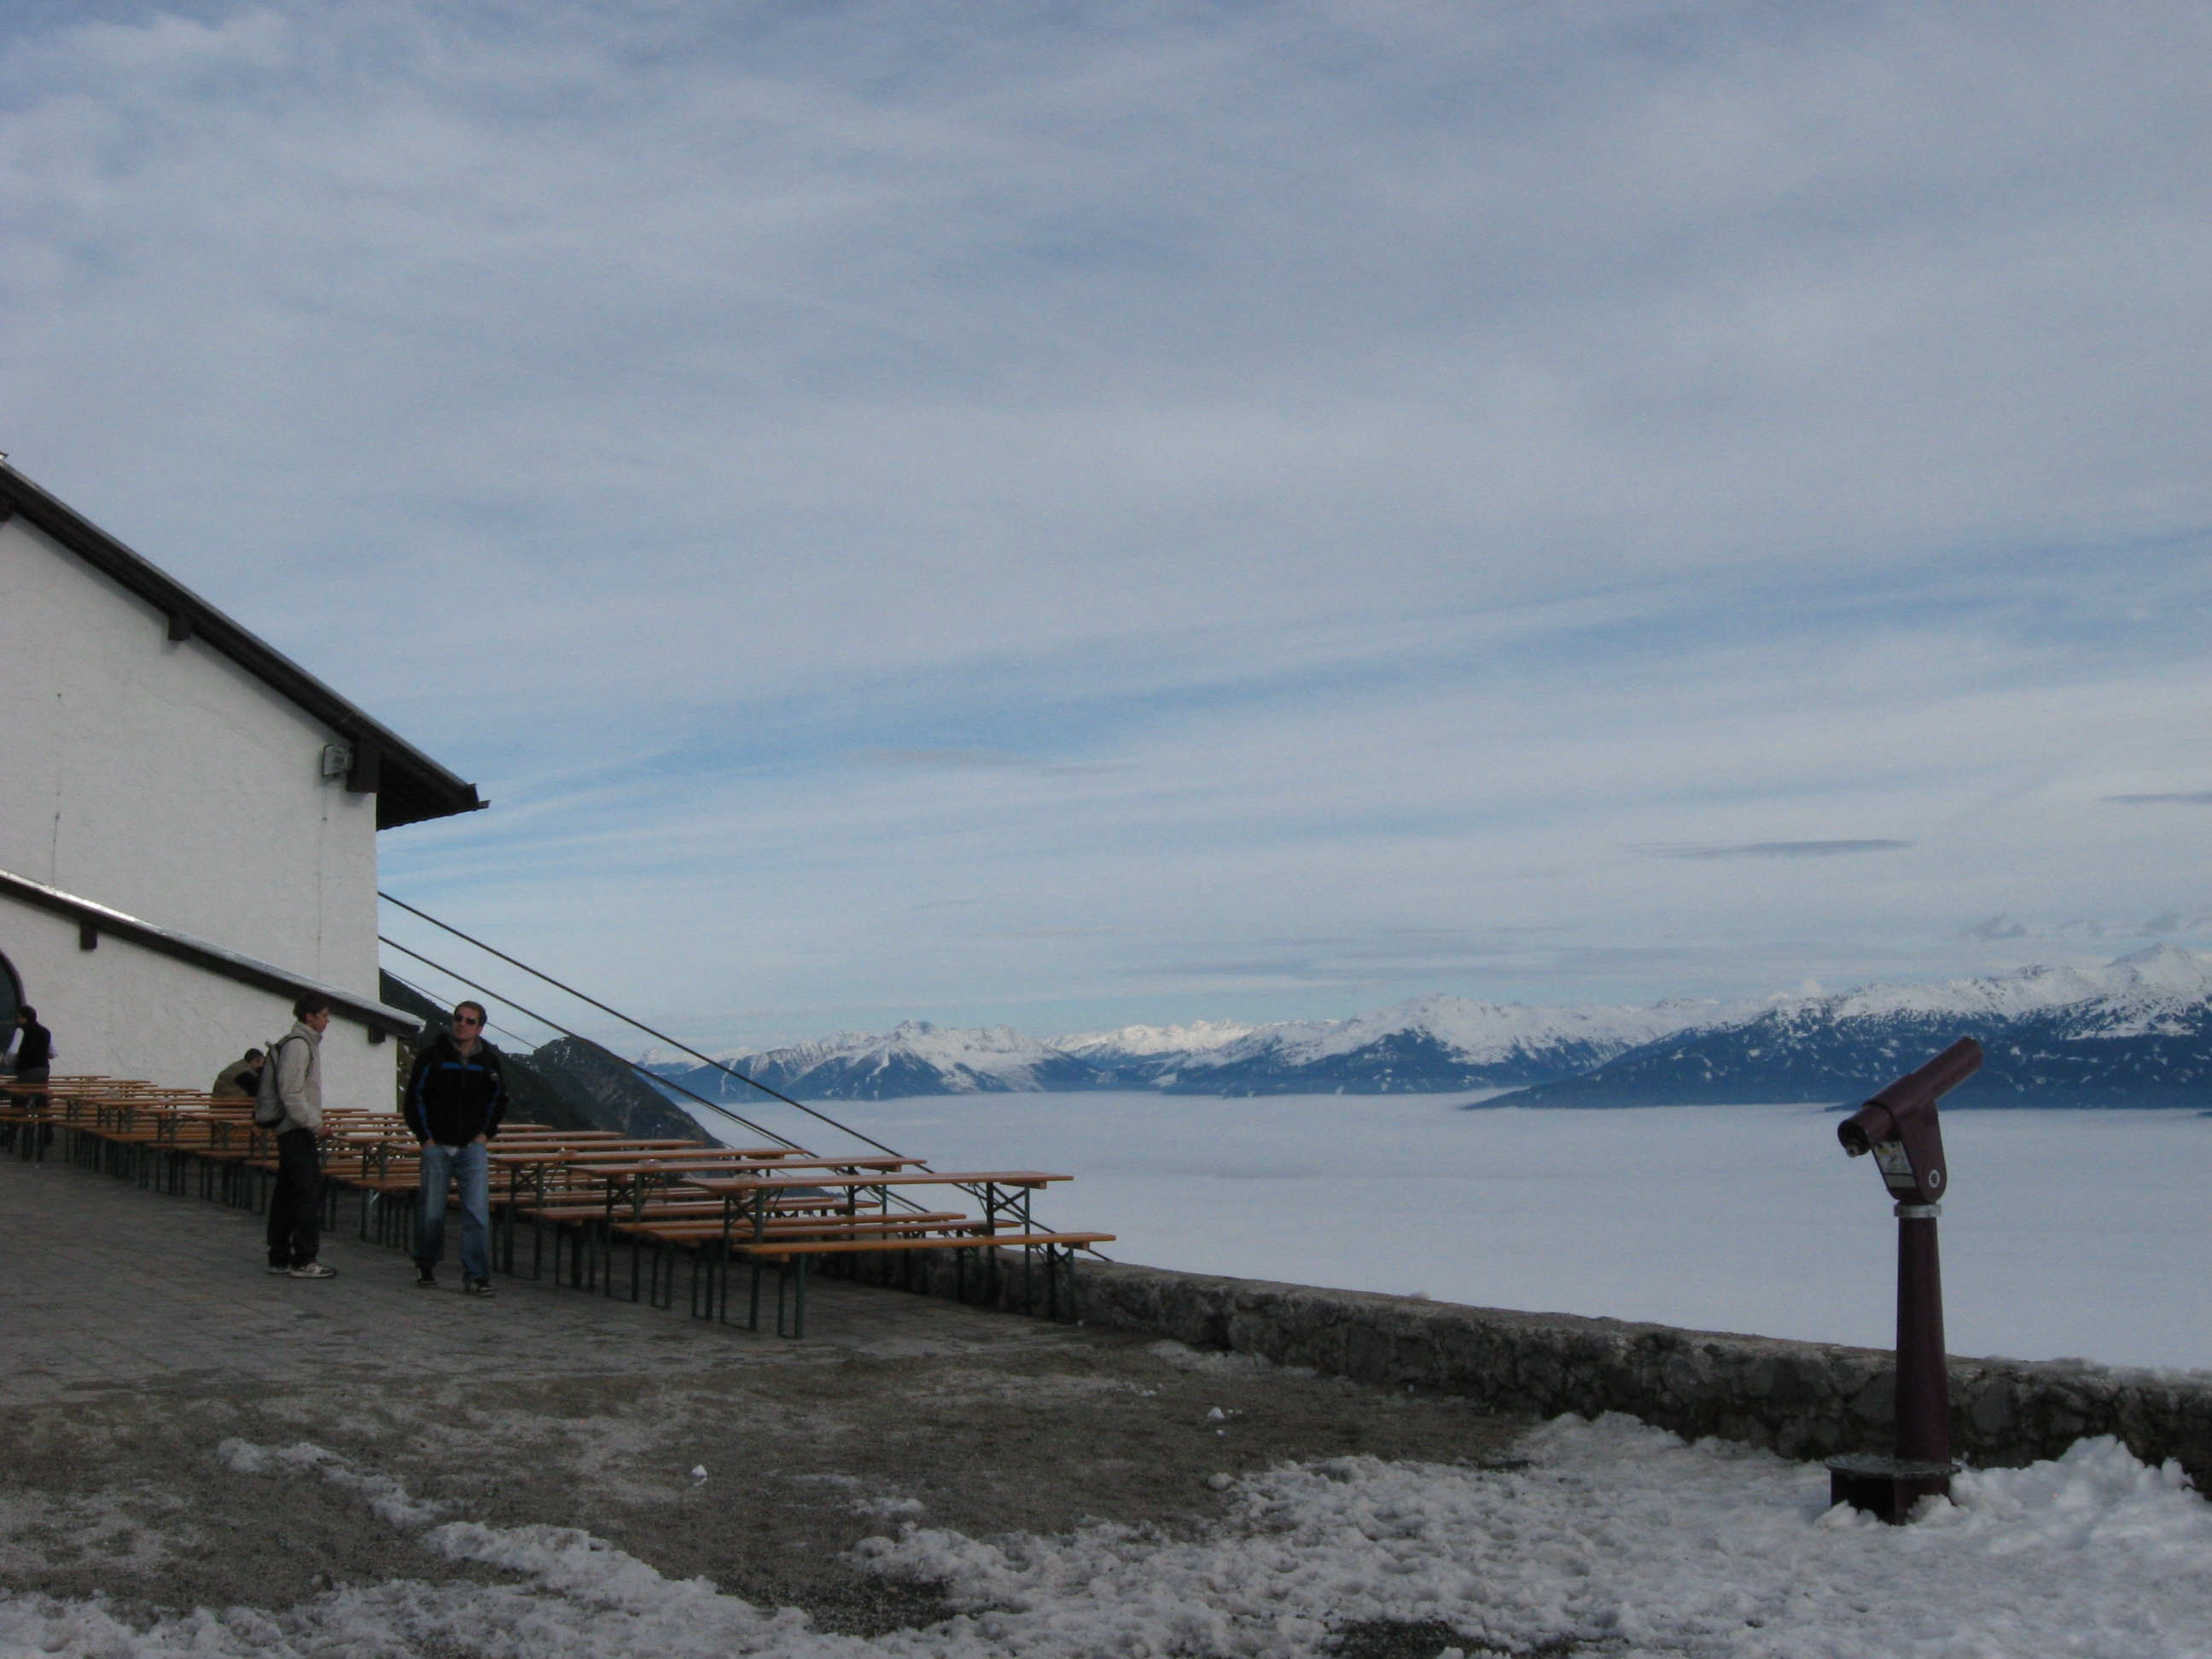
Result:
[{"x": 418, "y": 1105}]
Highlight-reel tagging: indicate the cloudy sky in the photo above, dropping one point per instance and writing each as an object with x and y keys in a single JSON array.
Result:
[{"x": 1079, "y": 513}]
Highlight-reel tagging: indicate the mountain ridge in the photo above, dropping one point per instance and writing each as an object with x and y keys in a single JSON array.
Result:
[{"x": 2137, "y": 1031}]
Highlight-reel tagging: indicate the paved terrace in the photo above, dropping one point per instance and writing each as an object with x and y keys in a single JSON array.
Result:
[{"x": 139, "y": 1331}]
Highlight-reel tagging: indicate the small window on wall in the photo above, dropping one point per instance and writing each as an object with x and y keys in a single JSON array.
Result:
[{"x": 11, "y": 999}]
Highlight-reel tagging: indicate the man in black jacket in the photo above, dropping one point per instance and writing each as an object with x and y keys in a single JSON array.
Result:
[
  {"x": 455, "y": 1100},
  {"x": 34, "y": 1054}
]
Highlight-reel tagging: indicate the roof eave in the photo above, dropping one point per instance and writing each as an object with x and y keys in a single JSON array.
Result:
[{"x": 409, "y": 787}]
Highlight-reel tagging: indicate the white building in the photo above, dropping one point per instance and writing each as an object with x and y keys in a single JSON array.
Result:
[{"x": 188, "y": 822}]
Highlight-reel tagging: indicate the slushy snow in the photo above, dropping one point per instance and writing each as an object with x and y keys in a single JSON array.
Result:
[{"x": 1611, "y": 1537}]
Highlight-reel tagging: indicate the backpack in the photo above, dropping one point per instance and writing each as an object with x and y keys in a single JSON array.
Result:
[{"x": 268, "y": 1102}]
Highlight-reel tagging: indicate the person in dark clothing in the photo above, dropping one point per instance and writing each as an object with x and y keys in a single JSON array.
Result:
[
  {"x": 34, "y": 1047},
  {"x": 296, "y": 1200},
  {"x": 35, "y": 1057},
  {"x": 241, "y": 1080},
  {"x": 455, "y": 1100}
]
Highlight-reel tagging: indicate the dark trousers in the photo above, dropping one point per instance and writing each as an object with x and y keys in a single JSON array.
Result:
[
  {"x": 295, "y": 1202},
  {"x": 34, "y": 1135}
]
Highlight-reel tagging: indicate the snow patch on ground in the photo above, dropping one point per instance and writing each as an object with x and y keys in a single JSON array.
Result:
[
  {"x": 1612, "y": 1537},
  {"x": 384, "y": 1496},
  {"x": 1619, "y": 1536}
]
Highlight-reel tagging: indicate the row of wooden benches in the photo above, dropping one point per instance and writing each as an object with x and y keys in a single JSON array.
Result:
[{"x": 675, "y": 1204}]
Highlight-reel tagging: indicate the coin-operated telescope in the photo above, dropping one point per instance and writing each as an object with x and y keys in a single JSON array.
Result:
[{"x": 1899, "y": 1125}]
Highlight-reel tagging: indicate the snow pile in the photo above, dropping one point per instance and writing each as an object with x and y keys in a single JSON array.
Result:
[
  {"x": 1612, "y": 1538},
  {"x": 1618, "y": 1536}
]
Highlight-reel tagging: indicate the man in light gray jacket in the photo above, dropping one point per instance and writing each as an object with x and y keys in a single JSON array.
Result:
[{"x": 295, "y": 1201}]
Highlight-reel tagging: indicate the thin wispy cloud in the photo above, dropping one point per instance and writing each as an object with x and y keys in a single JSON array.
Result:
[
  {"x": 2193, "y": 922},
  {"x": 943, "y": 760},
  {"x": 946, "y": 506},
  {"x": 965, "y": 760},
  {"x": 1780, "y": 849}
]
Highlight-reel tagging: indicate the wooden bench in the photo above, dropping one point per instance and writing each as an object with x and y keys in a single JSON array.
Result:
[
  {"x": 699, "y": 1237},
  {"x": 1058, "y": 1248},
  {"x": 782, "y": 1205}
]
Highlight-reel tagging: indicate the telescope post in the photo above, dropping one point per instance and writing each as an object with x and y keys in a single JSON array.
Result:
[{"x": 1899, "y": 1126}]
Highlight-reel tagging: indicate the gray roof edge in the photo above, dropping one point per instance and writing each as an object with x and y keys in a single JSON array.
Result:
[
  {"x": 365, "y": 1011},
  {"x": 425, "y": 789}
]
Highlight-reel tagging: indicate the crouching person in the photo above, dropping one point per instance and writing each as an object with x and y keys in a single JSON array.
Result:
[
  {"x": 455, "y": 1100},
  {"x": 241, "y": 1079},
  {"x": 293, "y": 1106}
]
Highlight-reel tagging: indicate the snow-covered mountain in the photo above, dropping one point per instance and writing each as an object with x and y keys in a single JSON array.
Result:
[
  {"x": 1146, "y": 1042},
  {"x": 2135, "y": 1032},
  {"x": 1434, "y": 1043},
  {"x": 916, "y": 1057},
  {"x": 1430, "y": 1044}
]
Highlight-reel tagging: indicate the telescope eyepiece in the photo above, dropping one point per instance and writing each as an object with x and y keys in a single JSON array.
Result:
[{"x": 1860, "y": 1132}]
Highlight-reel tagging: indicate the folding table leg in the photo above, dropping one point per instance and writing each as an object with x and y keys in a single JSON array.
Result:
[{"x": 795, "y": 1271}]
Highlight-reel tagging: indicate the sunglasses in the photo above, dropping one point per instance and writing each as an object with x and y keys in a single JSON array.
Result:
[{"x": 466, "y": 1019}]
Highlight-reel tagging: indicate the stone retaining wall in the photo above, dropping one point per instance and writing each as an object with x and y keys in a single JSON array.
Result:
[{"x": 1805, "y": 1399}]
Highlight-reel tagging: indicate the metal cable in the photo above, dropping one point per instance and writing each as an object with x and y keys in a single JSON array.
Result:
[
  {"x": 899, "y": 1198},
  {"x": 519, "y": 1040},
  {"x": 627, "y": 1020},
  {"x": 532, "y": 1013}
]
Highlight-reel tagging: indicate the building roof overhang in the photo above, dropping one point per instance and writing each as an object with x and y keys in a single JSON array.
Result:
[{"x": 409, "y": 785}]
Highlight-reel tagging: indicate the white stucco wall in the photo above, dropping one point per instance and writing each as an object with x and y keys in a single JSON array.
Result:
[
  {"x": 160, "y": 779},
  {"x": 120, "y": 1010}
]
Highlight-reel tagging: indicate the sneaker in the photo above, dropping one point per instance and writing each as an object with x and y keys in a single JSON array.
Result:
[
  {"x": 426, "y": 1279},
  {"x": 313, "y": 1270},
  {"x": 280, "y": 1267},
  {"x": 479, "y": 1287}
]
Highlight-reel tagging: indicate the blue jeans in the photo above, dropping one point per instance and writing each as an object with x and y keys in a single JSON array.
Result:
[{"x": 470, "y": 1165}]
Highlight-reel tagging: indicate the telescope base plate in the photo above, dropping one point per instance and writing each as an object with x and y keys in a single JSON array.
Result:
[{"x": 1886, "y": 1488}]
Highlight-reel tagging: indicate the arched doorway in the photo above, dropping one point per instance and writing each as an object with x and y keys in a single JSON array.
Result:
[{"x": 11, "y": 999}]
